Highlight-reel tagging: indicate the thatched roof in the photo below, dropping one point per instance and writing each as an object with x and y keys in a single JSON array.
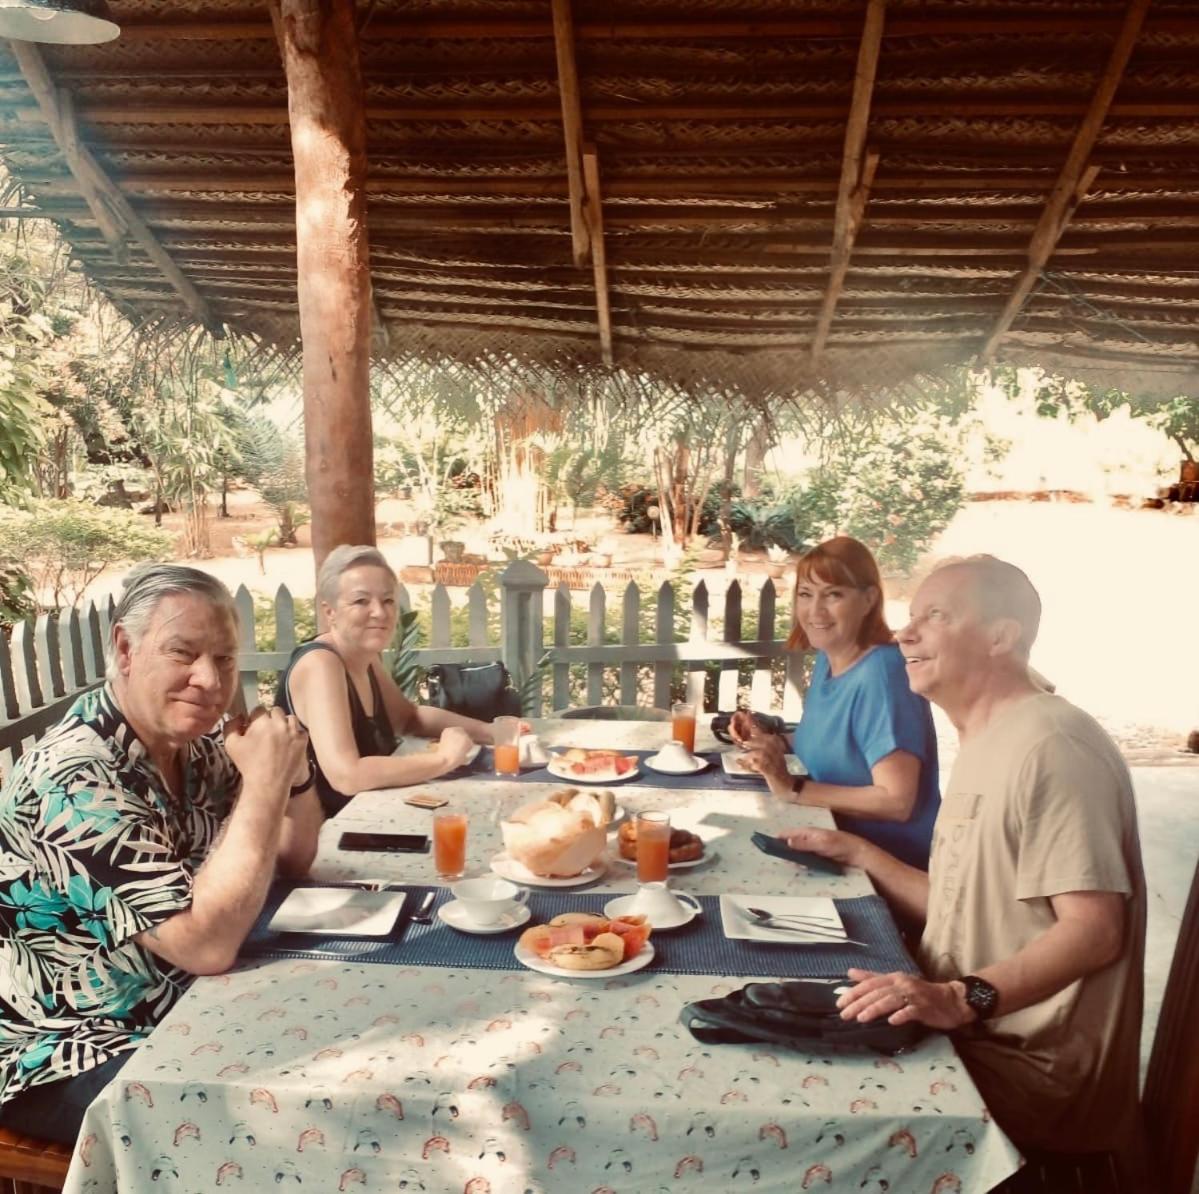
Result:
[{"x": 726, "y": 174}]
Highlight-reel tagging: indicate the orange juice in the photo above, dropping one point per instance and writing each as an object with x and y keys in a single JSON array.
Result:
[
  {"x": 682, "y": 727},
  {"x": 507, "y": 759},
  {"x": 449, "y": 844},
  {"x": 653, "y": 847}
]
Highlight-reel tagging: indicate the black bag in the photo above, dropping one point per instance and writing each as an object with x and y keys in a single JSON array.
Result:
[
  {"x": 479, "y": 690},
  {"x": 802, "y": 1013},
  {"x": 767, "y": 723}
]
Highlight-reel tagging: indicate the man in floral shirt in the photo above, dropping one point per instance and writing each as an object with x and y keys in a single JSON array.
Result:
[{"x": 136, "y": 847}]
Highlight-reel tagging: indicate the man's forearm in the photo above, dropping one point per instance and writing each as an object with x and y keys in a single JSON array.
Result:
[
  {"x": 299, "y": 834},
  {"x": 904, "y": 887},
  {"x": 231, "y": 885},
  {"x": 1067, "y": 951}
]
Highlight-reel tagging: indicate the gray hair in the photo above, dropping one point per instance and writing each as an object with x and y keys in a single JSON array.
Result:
[
  {"x": 1003, "y": 591},
  {"x": 145, "y": 586},
  {"x": 340, "y": 560}
]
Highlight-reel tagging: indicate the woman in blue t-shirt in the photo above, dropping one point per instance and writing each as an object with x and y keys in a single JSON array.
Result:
[{"x": 865, "y": 738}]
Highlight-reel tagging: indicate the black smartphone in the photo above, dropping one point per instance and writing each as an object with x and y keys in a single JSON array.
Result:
[
  {"x": 385, "y": 843},
  {"x": 779, "y": 849}
]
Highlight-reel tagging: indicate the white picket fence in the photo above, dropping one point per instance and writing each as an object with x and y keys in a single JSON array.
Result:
[{"x": 48, "y": 662}]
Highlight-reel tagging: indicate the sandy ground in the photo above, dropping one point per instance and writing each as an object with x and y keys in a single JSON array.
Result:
[{"x": 1118, "y": 588}]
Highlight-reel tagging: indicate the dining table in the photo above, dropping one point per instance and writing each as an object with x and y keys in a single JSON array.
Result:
[{"x": 435, "y": 1061}]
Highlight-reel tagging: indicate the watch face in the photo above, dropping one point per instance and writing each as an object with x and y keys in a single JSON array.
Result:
[{"x": 980, "y": 995}]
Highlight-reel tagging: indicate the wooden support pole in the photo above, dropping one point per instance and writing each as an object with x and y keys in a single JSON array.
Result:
[
  {"x": 857, "y": 170},
  {"x": 328, "y": 136},
  {"x": 599, "y": 258},
  {"x": 112, "y": 211},
  {"x": 572, "y": 127},
  {"x": 1074, "y": 180}
]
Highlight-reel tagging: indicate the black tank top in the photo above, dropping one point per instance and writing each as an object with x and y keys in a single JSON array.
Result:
[{"x": 373, "y": 732}]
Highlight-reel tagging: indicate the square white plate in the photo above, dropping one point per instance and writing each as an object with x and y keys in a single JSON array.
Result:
[
  {"x": 733, "y": 763},
  {"x": 738, "y": 925},
  {"x": 338, "y": 911}
]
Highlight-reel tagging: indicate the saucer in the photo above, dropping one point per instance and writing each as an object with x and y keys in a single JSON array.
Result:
[
  {"x": 515, "y": 872},
  {"x": 697, "y": 764},
  {"x": 623, "y": 906},
  {"x": 454, "y": 915}
]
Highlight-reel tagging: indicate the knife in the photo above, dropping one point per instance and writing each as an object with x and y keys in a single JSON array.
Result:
[{"x": 817, "y": 936}]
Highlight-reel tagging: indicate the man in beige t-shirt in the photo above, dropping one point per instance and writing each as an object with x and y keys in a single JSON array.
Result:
[{"x": 1034, "y": 902}]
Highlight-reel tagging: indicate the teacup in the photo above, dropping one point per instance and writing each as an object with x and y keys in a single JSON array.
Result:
[
  {"x": 663, "y": 908},
  {"x": 532, "y": 753},
  {"x": 485, "y": 901},
  {"x": 674, "y": 756}
]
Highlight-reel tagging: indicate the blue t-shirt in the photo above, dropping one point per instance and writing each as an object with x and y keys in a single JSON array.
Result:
[{"x": 853, "y": 720}]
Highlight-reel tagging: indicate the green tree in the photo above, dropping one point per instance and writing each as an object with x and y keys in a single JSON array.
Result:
[
  {"x": 272, "y": 460},
  {"x": 64, "y": 545}
]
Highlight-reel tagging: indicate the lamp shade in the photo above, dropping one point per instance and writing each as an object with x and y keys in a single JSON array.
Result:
[{"x": 60, "y": 22}]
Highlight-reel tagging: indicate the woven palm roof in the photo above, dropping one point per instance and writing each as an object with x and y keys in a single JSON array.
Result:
[{"x": 726, "y": 178}]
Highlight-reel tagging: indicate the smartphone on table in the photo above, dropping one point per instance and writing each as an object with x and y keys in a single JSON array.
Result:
[{"x": 385, "y": 843}]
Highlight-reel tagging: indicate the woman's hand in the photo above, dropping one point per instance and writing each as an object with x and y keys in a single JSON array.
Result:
[
  {"x": 765, "y": 754},
  {"x": 742, "y": 727},
  {"x": 453, "y": 746}
]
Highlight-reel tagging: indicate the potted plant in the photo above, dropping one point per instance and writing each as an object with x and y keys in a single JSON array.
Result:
[
  {"x": 776, "y": 560},
  {"x": 452, "y": 550}
]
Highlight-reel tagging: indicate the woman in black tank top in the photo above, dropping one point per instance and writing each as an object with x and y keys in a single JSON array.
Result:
[{"x": 347, "y": 701}]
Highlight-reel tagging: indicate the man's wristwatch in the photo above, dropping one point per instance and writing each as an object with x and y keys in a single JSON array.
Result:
[
  {"x": 980, "y": 995},
  {"x": 797, "y": 783}
]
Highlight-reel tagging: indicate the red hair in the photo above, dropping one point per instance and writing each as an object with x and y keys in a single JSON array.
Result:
[{"x": 843, "y": 561}]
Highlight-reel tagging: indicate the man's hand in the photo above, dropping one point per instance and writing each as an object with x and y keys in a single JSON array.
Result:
[
  {"x": 905, "y": 999},
  {"x": 453, "y": 746},
  {"x": 828, "y": 843},
  {"x": 266, "y": 747}
]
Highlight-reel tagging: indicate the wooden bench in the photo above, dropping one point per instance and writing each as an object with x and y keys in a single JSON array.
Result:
[{"x": 28, "y": 1166}]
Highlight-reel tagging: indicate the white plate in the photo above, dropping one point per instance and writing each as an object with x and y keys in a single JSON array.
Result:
[
  {"x": 698, "y": 764},
  {"x": 733, "y": 763},
  {"x": 559, "y": 768},
  {"x": 517, "y": 872},
  {"x": 526, "y": 957},
  {"x": 738, "y": 925},
  {"x": 708, "y": 855},
  {"x": 338, "y": 911},
  {"x": 454, "y": 915},
  {"x": 471, "y": 755},
  {"x": 623, "y": 906}
]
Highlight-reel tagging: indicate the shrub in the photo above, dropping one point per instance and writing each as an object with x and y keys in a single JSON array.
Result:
[
  {"x": 64, "y": 545},
  {"x": 894, "y": 494}
]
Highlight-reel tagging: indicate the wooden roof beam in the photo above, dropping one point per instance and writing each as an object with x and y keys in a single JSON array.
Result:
[
  {"x": 857, "y": 170},
  {"x": 1074, "y": 180},
  {"x": 572, "y": 127},
  {"x": 113, "y": 214},
  {"x": 599, "y": 258},
  {"x": 950, "y": 24}
]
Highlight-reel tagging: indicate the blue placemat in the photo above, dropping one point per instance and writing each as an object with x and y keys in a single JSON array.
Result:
[
  {"x": 699, "y": 948},
  {"x": 712, "y": 776}
]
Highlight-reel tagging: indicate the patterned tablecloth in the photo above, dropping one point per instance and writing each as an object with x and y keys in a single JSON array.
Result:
[{"x": 333, "y": 1076}]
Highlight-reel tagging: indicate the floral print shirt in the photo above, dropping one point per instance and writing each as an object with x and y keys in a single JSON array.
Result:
[{"x": 94, "y": 849}]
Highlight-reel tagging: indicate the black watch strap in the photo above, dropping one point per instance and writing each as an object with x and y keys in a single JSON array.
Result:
[
  {"x": 980, "y": 995},
  {"x": 300, "y": 788},
  {"x": 797, "y": 783}
]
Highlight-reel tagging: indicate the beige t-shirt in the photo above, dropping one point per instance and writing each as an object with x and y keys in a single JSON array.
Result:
[{"x": 1040, "y": 803}]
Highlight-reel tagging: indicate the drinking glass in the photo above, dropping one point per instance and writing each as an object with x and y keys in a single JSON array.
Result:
[
  {"x": 505, "y": 735},
  {"x": 653, "y": 847},
  {"x": 682, "y": 724},
  {"x": 449, "y": 842}
]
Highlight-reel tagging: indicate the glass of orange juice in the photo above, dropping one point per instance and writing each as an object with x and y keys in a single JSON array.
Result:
[
  {"x": 653, "y": 847},
  {"x": 449, "y": 842},
  {"x": 682, "y": 724},
  {"x": 505, "y": 733}
]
